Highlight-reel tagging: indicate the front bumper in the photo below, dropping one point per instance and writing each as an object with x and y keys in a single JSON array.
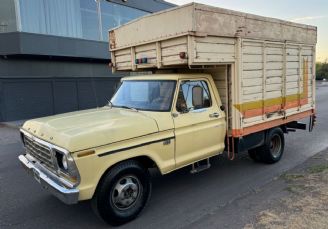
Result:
[{"x": 67, "y": 195}]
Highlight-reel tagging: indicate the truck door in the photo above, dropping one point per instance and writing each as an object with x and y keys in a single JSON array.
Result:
[{"x": 200, "y": 125}]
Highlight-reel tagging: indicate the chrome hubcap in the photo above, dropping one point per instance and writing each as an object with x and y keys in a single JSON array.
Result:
[
  {"x": 126, "y": 192},
  {"x": 275, "y": 146}
]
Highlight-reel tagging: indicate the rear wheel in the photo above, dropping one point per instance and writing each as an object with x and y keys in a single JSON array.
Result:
[
  {"x": 122, "y": 193},
  {"x": 273, "y": 148}
]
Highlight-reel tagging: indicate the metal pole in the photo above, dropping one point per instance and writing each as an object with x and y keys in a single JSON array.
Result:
[{"x": 99, "y": 20}]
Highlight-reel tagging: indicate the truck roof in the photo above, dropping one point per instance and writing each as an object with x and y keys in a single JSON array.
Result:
[
  {"x": 203, "y": 20},
  {"x": 173, "y": 76}
]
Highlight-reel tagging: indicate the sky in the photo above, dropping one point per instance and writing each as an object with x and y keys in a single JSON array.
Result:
[{"x": 313, "y": 12}]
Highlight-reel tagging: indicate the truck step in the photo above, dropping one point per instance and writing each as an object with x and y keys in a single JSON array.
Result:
[{"x": 200, "y": 166}]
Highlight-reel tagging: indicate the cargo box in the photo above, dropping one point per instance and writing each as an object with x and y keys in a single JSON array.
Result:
[{"x": 264, "y": 68}]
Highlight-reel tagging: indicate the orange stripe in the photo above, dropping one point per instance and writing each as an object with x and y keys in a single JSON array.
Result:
[
  {"x": 270, "y": 124},
  {"x": 299, "y": 100}
]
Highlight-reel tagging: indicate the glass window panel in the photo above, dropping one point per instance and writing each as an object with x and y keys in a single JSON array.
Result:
[
  {"x": 74, "y": 18},
  {"x": 114, "y": 15},
  {"x": 151, "y": 95},
  {"x": 89, "y": 15},
  {"x": 185, "y": 100},
  {"x": 33, "y": 17},
  {"x": 55, "y": 17}
]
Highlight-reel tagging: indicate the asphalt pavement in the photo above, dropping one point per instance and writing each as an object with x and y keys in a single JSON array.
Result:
[{"x": 179, "y": 199}]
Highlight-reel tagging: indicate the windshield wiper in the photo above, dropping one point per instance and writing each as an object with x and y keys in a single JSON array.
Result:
[
  {"x": 110, "y": 104},
  {"x": 130, "y": 108}
]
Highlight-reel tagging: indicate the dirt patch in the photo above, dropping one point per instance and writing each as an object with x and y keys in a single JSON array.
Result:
[{"x": 306, "y": 206}]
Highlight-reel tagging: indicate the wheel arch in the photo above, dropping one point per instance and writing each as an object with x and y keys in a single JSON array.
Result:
[{"x": 146, "y": 161}]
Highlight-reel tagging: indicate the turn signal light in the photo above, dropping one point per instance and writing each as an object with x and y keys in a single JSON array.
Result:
[
  {"x": 183, "y": 55},
  {"x": 143, "y": 60}
]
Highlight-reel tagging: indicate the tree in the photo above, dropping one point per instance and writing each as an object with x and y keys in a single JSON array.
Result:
[{"x": 322, "y": 70}]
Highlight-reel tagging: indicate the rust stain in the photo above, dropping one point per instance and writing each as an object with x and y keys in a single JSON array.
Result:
[{"x": 112, "y": 40}]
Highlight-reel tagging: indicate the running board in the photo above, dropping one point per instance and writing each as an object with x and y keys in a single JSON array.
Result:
[{"x": 197, "y": 167}]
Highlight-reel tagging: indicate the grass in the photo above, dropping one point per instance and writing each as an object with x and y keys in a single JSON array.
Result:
[
  {"x": 318, "y": 168},
  {"x": 290, "y": 177}
]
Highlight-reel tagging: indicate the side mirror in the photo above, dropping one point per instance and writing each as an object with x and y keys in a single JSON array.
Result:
[
  {"x": 222, "y": 108},
  {"x": 197, "y": 96}
]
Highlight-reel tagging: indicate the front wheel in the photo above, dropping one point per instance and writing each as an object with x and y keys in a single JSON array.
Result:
[{"x": 122, "y": 193}]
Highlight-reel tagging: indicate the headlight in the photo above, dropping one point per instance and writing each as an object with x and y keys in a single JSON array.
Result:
[
  {"x": 67, "y": 167},
  {"x": 64, "y": 162}
]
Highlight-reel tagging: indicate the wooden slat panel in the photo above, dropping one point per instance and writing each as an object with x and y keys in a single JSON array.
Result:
[
  {"x": 174, "y": 50},
  {"x": 252, "y": 82},
  {"x": 274, "y": 73},
  {"x": 252, "y": 58},
  {"x": 252, "y": 90},
  {"x": 252, "y": 74},
  {"x": 252, "y": 66},
  {"x": 273, "y": 80},
  {"x": 251, "y": 50},
  {"x": 174, "y": 42},
  {"x": 215, "y": 48},
  {"x": 217, "y": 40}
]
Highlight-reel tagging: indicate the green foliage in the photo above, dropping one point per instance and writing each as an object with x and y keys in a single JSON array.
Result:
[{"x": 322, "y": 70}]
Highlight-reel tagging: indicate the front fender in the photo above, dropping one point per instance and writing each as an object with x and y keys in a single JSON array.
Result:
[{"x": 158, "y": 147}]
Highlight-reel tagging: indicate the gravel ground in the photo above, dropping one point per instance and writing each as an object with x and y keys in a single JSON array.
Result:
[{"x": 305, "y": 204}]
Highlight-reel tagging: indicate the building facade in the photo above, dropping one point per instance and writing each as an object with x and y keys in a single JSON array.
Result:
[{"x": 54, "y": 53}]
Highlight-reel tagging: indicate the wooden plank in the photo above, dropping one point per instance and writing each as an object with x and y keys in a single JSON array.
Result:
[
  {"x": 252, "y": 97},
  {"x": 174, "y": 42},
  {"x": 292, "y": 51},
  {"x": 292, "y": 58},
  {"x": 274, "y": 73},
  {"x": 252, "y": 50},
  {"x": 273, "y": 94},
  {"x": 274, "y": 87},
  {"x": 147, "y": 47},
  {"x": 251, "y": 82},
  {"x": 272, "y": 51},
  {"x": 273, "y": 80},
  {"x": 174, "y": 50},
  {"x": 215, "y": 48},
  {"x": 148, "y": 54},
  {"x": 252, "y": 90},
  {"x": 292, "y": 78},
  {"x": 252, "y": 74},
  {"x": 292, "y": 65},
  {"x": 212, "y": 58},
  {"x": 252, "y": 58},
  {"x": 252, "y": 43},
  {"x": 291, "y": 85},
  {"x": 274, "y": 58},
  {"x": 252, "y": 66},
  {"x": 122, "y": 52},
  {"x": 274, "y": 65},
  {"x": 291, "y": 72},
  {"x": 123, "y": 58},
  {"x": 217, "y": 40}
]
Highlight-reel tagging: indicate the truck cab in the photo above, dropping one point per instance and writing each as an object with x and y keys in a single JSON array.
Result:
[{"x": 153, "y": 121}]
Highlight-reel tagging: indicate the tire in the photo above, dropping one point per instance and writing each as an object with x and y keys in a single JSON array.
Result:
[
  {"x": 254, "y": 155},
  {"x": 273, "y": 148},
  {"x": 122, "y": 193}
]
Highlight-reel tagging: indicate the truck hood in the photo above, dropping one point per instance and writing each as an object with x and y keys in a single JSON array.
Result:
[{"x": 86, "y": 129}]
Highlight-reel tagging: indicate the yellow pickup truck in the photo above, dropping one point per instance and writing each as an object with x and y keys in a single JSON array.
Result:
[{"x": 234, "y": 89}]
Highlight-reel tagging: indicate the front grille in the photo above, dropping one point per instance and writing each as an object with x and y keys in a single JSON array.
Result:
[{"x": 40, "y": 152}]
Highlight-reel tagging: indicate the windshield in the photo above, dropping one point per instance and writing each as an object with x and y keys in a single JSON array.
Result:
[{"x": 149, "y": 95}]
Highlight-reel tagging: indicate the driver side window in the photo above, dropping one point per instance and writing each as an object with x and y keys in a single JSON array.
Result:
[{"x": 193, "y": 95}]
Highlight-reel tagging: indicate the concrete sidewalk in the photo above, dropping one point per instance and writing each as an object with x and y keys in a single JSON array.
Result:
[{"x": 13, "y": 124}]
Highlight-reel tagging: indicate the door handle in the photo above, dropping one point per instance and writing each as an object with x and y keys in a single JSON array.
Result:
[{"x": 214, "y": 115}]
